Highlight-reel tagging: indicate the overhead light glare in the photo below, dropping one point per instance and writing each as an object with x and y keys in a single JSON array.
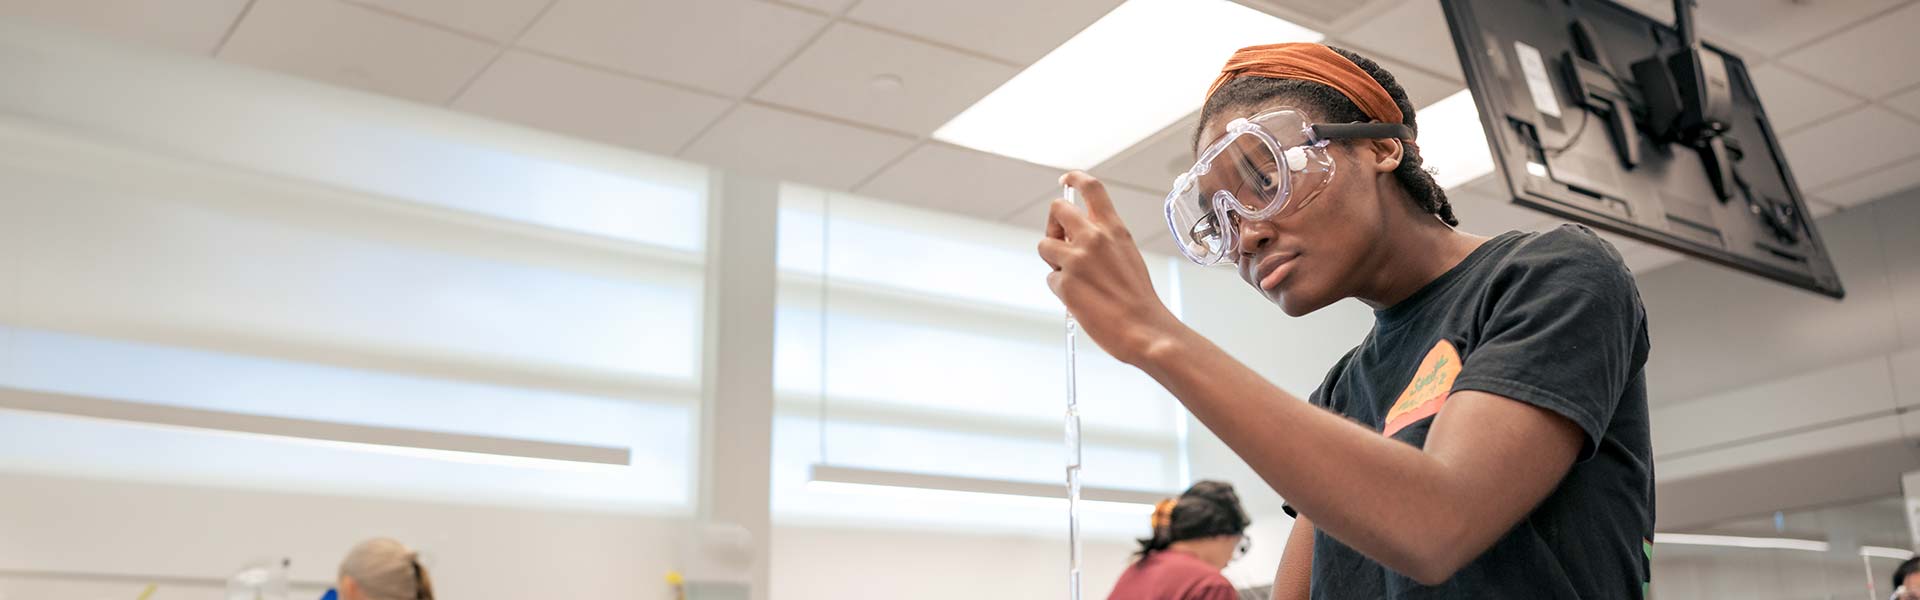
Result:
[
  {"x": 1452, "y": 142},
  {"x": 1131, "y": 74}
]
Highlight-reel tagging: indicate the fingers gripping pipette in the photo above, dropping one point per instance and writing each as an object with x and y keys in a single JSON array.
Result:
[{"x": 1072, "y": 197}]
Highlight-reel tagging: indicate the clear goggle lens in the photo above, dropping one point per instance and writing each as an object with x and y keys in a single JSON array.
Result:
[
  {"x": 1262, "y": 167},
  {"x": 1247, "y": 174}
]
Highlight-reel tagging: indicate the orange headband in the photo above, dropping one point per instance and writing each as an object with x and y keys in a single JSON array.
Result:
[
  {"x": 1316, "y": 63},
  {"x": 1163, "y": 513}
]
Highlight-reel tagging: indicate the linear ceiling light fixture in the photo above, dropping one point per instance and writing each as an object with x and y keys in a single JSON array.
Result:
[
  {"x": 459, "y": 447},
  {"x": 1131, "y": 74},
  {"x": 1885, "y": 552},
  {"x": 875, "y": 480},
  {"x": 1736, "y": 541}
]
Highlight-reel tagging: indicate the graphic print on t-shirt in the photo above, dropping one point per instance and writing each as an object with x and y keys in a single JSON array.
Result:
[{"x": 1428, "y": 390}]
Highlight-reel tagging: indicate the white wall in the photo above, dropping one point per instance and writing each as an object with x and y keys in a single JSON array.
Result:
[
  {"x": 134, "y": 532},
  {"x": 1683, "y": 573},
  {"x": 838, "y": 564},
  {"x": 1754, "y": 383}
]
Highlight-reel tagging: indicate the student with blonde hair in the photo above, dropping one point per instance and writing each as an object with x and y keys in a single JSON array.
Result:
[{"x": 383, "y": 569}]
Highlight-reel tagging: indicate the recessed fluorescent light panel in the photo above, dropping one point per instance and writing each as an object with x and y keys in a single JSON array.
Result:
[
  {"x": 1129, "y": 75},
  {"x": 1452, "y": 142}
]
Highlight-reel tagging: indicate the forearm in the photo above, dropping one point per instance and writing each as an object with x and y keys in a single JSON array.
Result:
[
  {"x": 1294, "y": 579},
  {"x": 1374, "y": 494}
]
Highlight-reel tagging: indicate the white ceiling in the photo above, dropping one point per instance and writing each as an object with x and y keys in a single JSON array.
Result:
[
  {"x": 846, "y": 93},
  {"x": 191, "y": 26},
  {"x": 347, "y": 45},
  {"x": 873, "y": 77}
]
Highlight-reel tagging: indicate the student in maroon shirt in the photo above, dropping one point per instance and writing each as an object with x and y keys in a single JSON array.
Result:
[{"x": 1194, "y": 537}]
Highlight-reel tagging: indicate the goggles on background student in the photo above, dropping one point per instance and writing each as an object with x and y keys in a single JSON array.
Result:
[{"x": 1272, "y": 163}]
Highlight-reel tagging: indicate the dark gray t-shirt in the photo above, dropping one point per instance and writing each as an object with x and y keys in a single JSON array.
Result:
[{"x": 1551, "y": 319}]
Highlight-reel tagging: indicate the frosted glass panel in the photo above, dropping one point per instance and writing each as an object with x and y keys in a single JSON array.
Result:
[
  {"x": 919, "y": 341},
  {"x": 250, "y": 244}
]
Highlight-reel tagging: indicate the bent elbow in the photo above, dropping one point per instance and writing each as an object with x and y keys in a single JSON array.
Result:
[
  {"x": 1437, "y": 560},
  {"x": 1434, "y": 574}
]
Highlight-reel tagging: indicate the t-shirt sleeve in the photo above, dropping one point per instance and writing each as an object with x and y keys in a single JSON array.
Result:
[
  {"x": 1566, "y": 332},
  {"x": 1217, "y": 589},
  {"x": 1322, "y": 396}
]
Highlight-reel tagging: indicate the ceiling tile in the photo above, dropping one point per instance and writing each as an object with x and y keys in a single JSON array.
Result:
[
  {"x": 194, "y": 26},
  {"x": 1413, "y": 33},
  {"x": 1320, "y": 14},
  {"x": 1155, "y": 161},
  {"x": 961, "y": 181},
  {"x": 1821, "y": 208},
  {"x": 885, "y": 80},
  {"x": 1143, "y": 210},
  {"x": 1873, "y": 59},
  {"x": 801, "y": 148},
  {"x": 1484, "y": 207},
  {"x": 356, "y": 47},
  {"x": 1034, "y": 214},
  {"x": 1422, "y": 88},
  {"x": 985, "y": 26},
  {"x": 1908, "y": 103},
  {"x": 590, "y": 103},
  {"x": 1654, "y": 259},
  {"x": 1646, "y": 258},
  {"x": 1873, "y": 186},
  {"x": 1748, "y": 28},
  {"x": 1660, "y": 10},
  {"x": 1770, "y": 27},
  {"x": 1620, "y": 242},
  {"x": 1161, "y": 243},
  {"x": 1792, "y": 100},
  {"x": 726, "y": 46},
  {"x": 1848, "y": 145},
  {"x": 1150, "y": 239},
  {"x": 832, "y": 7},
  {"x": 1391, "y": 22},
  {"x": 498, "y": 20}
]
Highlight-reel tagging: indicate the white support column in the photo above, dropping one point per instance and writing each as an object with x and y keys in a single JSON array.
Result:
[
  {"x": 1910, "y": 488},
  {"x": 736, "y": 419}
]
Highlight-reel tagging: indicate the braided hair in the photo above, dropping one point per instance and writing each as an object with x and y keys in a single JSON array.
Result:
[
  {"x": 1333, "y": 107},
  {"x": 1209, "y": 508}
]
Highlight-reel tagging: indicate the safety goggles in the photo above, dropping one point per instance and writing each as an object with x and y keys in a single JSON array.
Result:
[{"x": 1272, "y": 163}]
